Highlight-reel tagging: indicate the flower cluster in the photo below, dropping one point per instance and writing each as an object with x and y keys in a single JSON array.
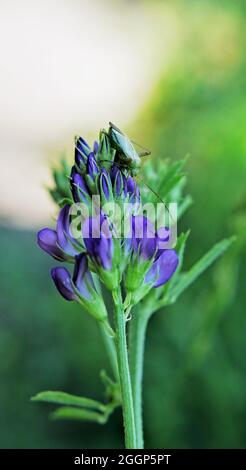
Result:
[{"x": 139, "y": 260}]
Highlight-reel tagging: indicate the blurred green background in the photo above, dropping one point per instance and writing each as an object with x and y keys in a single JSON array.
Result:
[{"x": 195, "y": 367}]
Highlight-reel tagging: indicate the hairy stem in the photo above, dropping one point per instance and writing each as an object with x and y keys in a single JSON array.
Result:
[{"x": 124, "y": 373}]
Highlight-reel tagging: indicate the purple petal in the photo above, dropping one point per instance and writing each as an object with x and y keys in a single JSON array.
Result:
[
  {"x": 95, "y": 147},
  {"x": 82, "y": 276},
  {"x": 104, "y": 252},
  {"x": 144, "y": 240},
  {"x": 98, "y": 240},
  {"x": 113, "y": 172},
  {"x": 163, "y": 268},
  {"x": 47, "y": 240},
  {"x": 118, "y": 183},
  {"x": 133, "y": 190},
  {"x": 92, "y": 168},
  {"x": 78, "y": 187},
  {"x": 63, "y": 282},
  {"x": 91, "y": 231},
  {"x": 64, "y": 238},
  {"x": 104, "y": 184},
  {"x": 142, "y": 227},
  {"x": 147, "y": 247},
  {"x": 163, "y": 236},
  {"x": 130, "y": 185}
]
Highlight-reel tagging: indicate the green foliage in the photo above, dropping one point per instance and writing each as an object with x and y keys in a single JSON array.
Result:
[
  {"x": 70, "y": 413},
  {"x": 184, "y": 280},
  {"x": 62, "y": 398},
  {"x": 61, "y": 193}
]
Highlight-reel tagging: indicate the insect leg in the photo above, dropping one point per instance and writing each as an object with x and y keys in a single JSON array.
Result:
[
  {"x": 144, "y": 154},
  {"x": 146, "y": 151}
]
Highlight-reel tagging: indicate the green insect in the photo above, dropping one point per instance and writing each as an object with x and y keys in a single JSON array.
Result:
[
  {"x": 126, "y": 157},
  {"x": 126, "y": 154}
]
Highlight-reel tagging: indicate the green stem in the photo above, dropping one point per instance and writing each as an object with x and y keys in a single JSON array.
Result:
[
  {"x": 125, "y": 380},
  {"x": 111, "y": 351},
  {"x": 138, "y": 328}
]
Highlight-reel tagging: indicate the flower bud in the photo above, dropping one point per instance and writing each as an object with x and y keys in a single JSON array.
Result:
[
  {"x": 47, "y": 240},
  {"x": 79, "y": 188},
  {"x": 82, "y": 150},
  {"x": 86, "y": 290},
  {"x": 105, "y": 187},
  {"x": 92, "y": 172},
  {"x": 63, "y": 283},
  {"x": 118, "y": 185}
]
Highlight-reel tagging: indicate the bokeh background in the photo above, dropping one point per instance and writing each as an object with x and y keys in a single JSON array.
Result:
[{"x": 173, "y": 75}]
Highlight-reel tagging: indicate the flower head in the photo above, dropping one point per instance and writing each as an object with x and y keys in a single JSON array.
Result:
[{"x": 141, "y": 260}]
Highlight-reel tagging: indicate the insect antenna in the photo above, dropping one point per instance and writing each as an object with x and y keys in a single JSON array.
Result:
[{"x": 155, "y": 193}]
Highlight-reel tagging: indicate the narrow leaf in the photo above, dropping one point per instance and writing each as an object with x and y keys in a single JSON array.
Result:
[
  {"x": 66, "y": 412},
  {"x": 190, "y": 276},
  {"x": 184, "y": 205},
  {"x": 63, "y": 398},
  {"x": 180, "y": 247}
]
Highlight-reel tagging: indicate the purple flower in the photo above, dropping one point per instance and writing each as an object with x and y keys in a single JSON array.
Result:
[
  {"x": 98, "y": 240},
  {"x": 80, "y": 288},
  {"x": 143, "y": 240},
  {"x": 162, "y": 268},
  {"x": 150, "y": 265},
  {"x": 132, "y": 190},
  {"x": 66, "y": 241},
  {"x": 63, "y": 283},
  {"x": 47, "y": 240},
  {"x": 82, "y": 277},
  {"x": 60, "y": 243}
]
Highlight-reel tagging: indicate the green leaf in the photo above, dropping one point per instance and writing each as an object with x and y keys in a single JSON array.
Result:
[
  {"x": 180, "y": 247},
  {"x": 171, "y": 178},
  {"x": 184, "y": 205},
  {"x": 62, "y": 398},
  {"x": 186, "y": 279},
  {"x": 66, "y": 412}
]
